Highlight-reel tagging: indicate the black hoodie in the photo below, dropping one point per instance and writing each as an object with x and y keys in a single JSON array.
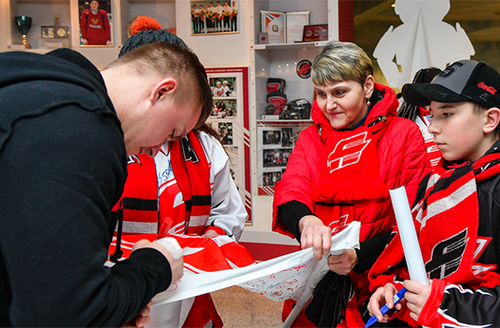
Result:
[{"x": 62, "y": 168}]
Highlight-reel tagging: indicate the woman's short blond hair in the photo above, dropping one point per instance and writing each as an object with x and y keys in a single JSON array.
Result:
[{"x": 341, "y": 61}]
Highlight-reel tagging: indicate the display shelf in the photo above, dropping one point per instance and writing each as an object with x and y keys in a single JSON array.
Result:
[
  {"x": 276, "y": 140},
  {"x": 288, "y": 46},
  {"x": 284, "y": 61},
  {"x": 43, "y": 13}
]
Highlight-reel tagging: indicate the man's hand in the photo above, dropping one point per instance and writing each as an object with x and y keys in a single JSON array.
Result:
[
  {"x": 141, "y": 320},
  {"x": 315, "y": 234},
  {"x": 342, "y": 264},
  {"x": 176, "y": 266}
]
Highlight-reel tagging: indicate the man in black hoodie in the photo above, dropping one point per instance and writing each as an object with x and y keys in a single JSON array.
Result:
[{"x": 65, "y": 132}]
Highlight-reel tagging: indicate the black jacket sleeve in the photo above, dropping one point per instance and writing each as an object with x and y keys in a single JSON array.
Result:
[
  {"x": 290, "y": 214},
  {"x": 61, "y": 173}
]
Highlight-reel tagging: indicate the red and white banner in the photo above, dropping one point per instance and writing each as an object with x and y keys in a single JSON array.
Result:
[{"x": 218, "y": 263}]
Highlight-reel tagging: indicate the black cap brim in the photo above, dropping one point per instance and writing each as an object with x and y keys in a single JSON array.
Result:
[{"x": 422, "y": 93}]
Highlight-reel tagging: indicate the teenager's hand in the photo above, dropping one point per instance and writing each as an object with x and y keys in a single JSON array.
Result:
[
  {"x": 342, "y": 264},
  {"x": 383, "y": 295},
  {"x": 416, "y": 296},
  {"x": 315, "y": 234}
]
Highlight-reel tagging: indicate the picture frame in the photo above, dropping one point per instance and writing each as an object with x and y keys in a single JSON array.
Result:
[
  {"x": 230, "y": 118},
  {"x": 214, "y": 17},
  {"x": 313, "y": 33},
  {"x": 96, "y": 30},
  {"x": 54, "y": 32},
  {"x": 274, "y": 24},
  {"x": 275, "y": 140},
  {"x": 295, "y": 22}
]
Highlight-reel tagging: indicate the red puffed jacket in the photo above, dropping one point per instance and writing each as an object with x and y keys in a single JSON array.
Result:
[{"x": 399, "y": 158}]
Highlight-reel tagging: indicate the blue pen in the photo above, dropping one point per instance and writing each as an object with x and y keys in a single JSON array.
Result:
[{"x": 398, "y": 297}]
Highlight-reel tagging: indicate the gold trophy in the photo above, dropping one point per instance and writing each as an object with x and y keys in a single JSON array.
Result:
[{"x": 23, "y": 24}]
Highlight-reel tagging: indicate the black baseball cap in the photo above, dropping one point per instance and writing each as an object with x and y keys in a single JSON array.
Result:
[{"x": 464, "y": 80}]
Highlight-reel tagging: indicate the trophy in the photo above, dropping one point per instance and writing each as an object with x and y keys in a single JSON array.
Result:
[{"x": 23, "y": 24}]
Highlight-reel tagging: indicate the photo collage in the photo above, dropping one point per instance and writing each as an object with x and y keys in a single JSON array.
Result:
[
  {"x": 276, "y": 145},
  {"x": 226, "y": 118}
]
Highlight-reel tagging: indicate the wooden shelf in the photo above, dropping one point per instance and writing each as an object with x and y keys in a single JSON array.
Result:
[{"x": 287, "y": 46}]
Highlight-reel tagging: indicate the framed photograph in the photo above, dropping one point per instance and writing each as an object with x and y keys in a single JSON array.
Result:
[
  {"x": 275, "y": 140},
  {"x": 226, "y": 133},
  {"x": 54, "y": 32},
  {"x": 223, "y": 86},
  {"x": 315, "y": 33},
  {"x": 214, "y": 17},
  {"x": 276, "y": 157},
  {"x": 295, "y": 22},
  {"x": 230, "y": 117},
  {"x": 271, "y": 137},
  {"x": 96, "y": 23},
  {"x": 274, "y": 24},
  {"x": 47, "y": 32},
  {"x": 287, "y": 137},
  {"x": 269, "y": 179},
  {"x": 224, "y": 108}
]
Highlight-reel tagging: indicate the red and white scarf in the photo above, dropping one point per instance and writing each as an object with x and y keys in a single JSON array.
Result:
[
  {"x": 192, "y": 174},
  {"x": 446, "y": 221},
  {"x": 185, "y": 200}
]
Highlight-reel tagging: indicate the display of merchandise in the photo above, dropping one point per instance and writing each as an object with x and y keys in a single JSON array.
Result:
[
  {"x": 298, "y": 109},
  {"x": 275, "y": 85},
  {"x": 278, "y": 100}
]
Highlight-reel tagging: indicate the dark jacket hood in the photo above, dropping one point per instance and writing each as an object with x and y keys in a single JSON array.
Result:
[{"x": 33, "y": 84}]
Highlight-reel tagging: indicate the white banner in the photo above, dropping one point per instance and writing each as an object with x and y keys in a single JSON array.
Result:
[{"x": 291, "y": 276}]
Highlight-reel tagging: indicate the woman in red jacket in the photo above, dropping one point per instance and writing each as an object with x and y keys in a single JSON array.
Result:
[{"x": 340, "y": 171}]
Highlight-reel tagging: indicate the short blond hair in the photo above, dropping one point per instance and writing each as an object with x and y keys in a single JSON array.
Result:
[{"x": 341, "y": 61}]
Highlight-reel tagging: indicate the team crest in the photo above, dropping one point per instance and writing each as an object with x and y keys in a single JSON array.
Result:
[{"x": 347, "y": 152}]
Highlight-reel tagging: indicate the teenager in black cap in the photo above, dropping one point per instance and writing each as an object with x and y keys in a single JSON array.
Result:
[{"x": 457, "y": 215}]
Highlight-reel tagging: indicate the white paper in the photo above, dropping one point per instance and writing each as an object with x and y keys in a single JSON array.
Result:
[
  {"x": 408, "y": 235},
  {"x": 266, "y": 278}
]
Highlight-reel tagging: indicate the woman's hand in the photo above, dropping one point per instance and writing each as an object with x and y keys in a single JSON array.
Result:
[
  {"x": 383, "y": 295},
  {"x": 416, "y": 296},
  {"x": 344, "y": 263},
  {"x": 315, "y": 234}
]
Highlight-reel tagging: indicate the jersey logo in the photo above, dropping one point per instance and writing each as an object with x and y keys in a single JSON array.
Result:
[
  {"x": 347, "y": 151},
  {"x": 133, "y": 159},
  {"x": 189, "y": 153},
  {"x": 446, "y": 256},
  {"x": 340, "y": 224}
]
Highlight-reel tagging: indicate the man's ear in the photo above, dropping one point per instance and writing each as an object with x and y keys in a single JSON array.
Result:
[
  {"x": 492, "y": 119},
  {"x": 163, "y": 88}
]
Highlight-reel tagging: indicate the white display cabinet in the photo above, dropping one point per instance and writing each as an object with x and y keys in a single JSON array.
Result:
[
  {"x": 43, "y": 13},
  {"x": 280, "y": 61}
]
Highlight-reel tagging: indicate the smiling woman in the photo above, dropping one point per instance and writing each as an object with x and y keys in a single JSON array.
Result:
[{"x": 340, "y": 171}]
